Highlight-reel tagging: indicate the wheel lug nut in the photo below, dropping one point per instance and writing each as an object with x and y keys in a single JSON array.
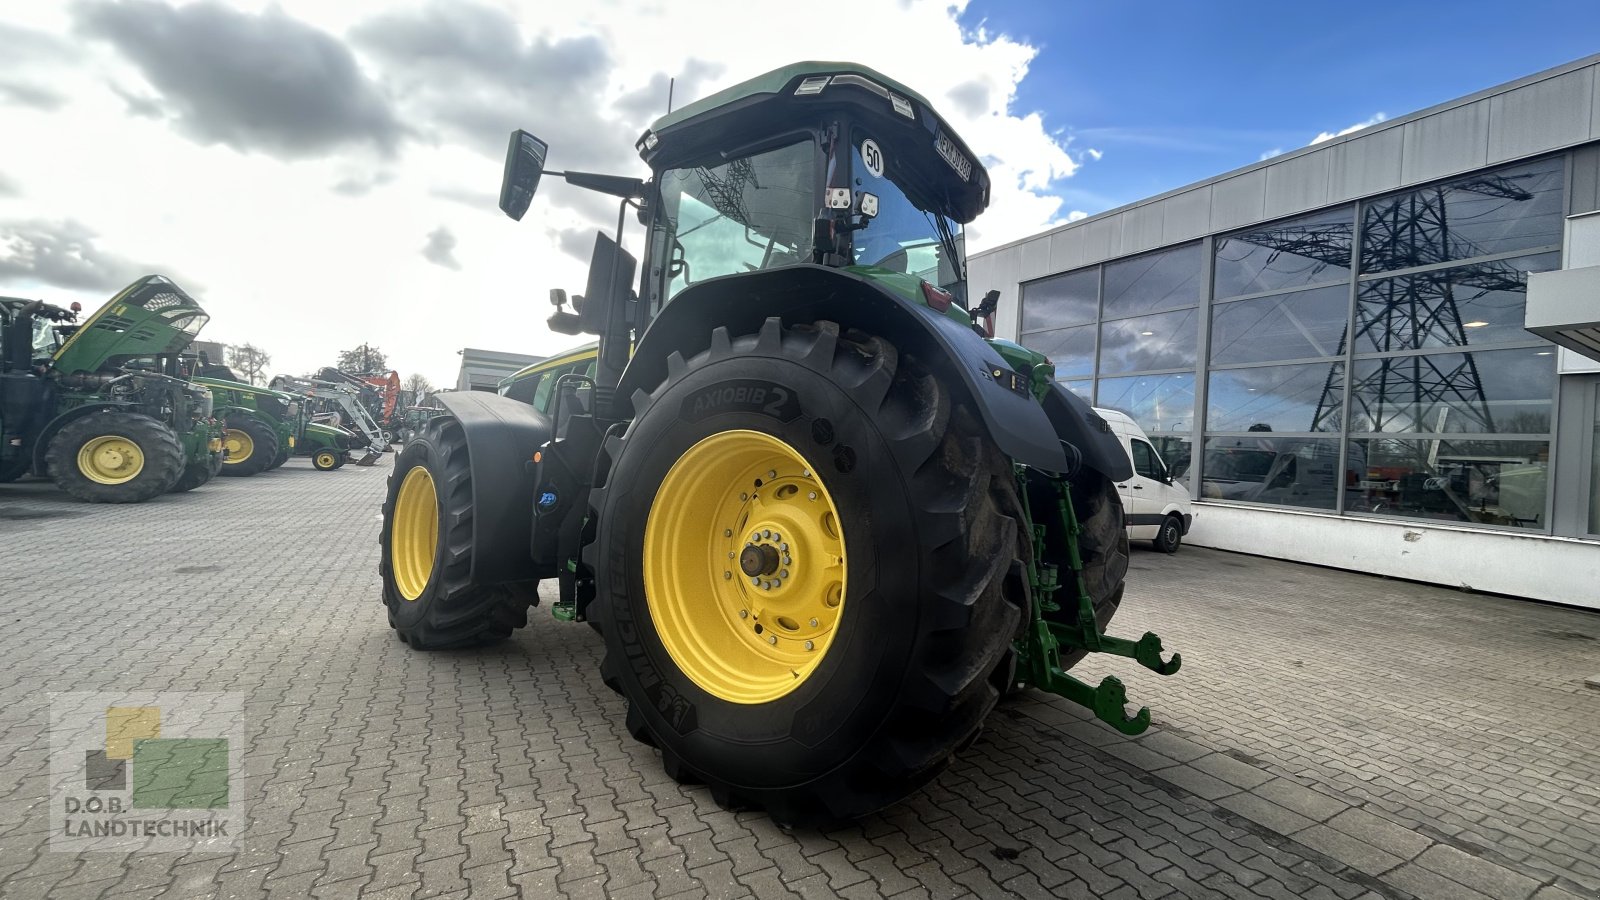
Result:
[
  {"x": 813, "y": 625},
  {"x": 787, "y": 561},
  {"x": 727, "y": 532},
  {"x": 727, "y": 575},
  {"x": 767, "y": 533},
  {"x": 784, "y": 574},
  {"x": 755, "y": 581},
  {"x": 810, "y": 646},
  {"x": 744, "y": 496},
  {"x": 772, "y": 639},
  {"x": 812, "y": 495},
  {"x": 784, "y": 547},
  {"x": 805, "y": 473},
  {"x": 772, "y": 474},
  {"x": 744, "y": 613},
  {"x": 777, "y": 537}
]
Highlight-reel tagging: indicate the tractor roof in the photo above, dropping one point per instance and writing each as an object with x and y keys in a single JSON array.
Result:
[
  {"x": 902, "y": 120},
  {"x": 775, "y": 81}
]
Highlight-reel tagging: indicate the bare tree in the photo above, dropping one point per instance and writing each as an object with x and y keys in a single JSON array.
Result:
[
  {"x": 363, "y": 360},
  {"x": 419, "y": 386},
  {"x": 250, "y": 362}
]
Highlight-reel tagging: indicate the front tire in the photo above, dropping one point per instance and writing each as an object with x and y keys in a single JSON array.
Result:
[
  {"x": 918, "y": 647},
  {"x": 115, "y": 457},
  {"x": 426, "y": 551},
  {"x": 326, "y": 460},
  {"x": 252, "y": 446}
]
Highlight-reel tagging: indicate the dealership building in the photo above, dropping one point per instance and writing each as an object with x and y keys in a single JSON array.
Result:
[{"x": 1380, "y": 352}]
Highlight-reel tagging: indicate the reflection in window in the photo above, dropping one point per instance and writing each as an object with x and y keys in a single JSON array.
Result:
[
  {"x": 1163, "y": 405},
  {"x": 1083, "y": 387},
  {"x": 1486, "y": 482},
  {"x": 1299, "y": 325},
  {"x": 746, "y": 214},
  {"x": 1514, "y": 208},
  {"x": 1276, "y": 398},
  {"x": 1155, "y": 281},
  {"x": 1070, "y": 299},
  {"x": 1161, "y": 341},
  {"x": 1309, "y": 250},
  {"x": 1282, "y": 471},
  {"x": 1479, "y": 303},
  {"x": 1071, "y": 349},
  {"x": 1504, "y": 391}
]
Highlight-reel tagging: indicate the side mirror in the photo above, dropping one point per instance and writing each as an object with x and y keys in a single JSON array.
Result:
[{"x": 525, "y": 158}]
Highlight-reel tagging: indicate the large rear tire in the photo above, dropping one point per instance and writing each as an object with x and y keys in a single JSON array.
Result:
[
  {"x": 252, "y": 446},
  {"x": 426, "y": 551},
  {"x": 918, "y": 648},
  {"x": 115, "y": 457}
]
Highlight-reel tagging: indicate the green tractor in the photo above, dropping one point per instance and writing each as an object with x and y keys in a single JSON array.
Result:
[
  {"x": 81, "y": 404},
  {"x": 266, "y": 426},
  {"x": 821, "y": 517}
]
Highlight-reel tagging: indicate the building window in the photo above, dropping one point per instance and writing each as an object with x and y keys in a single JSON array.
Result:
[
  {"x": 1300, "y": 252},
  {"x": 1368, "y": 358},
  {"x": 1070, "y": 299},
  {"x": 1482, "y": 214},
  {"x": 1169, "y": 279},
  {"x": 1502, "y": 483}
]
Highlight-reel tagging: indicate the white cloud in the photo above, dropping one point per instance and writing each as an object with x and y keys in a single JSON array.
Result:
[
  {"x": 1330, "y": 135},
  {"x": 1275, "y": 151},
  {"x": 1094, "y": 154},
  {"x": 306, "y": 245},
  {"x": 1076, "y": 214}
]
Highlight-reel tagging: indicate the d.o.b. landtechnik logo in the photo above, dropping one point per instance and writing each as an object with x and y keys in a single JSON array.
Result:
[{"x": 150, "y": 771}]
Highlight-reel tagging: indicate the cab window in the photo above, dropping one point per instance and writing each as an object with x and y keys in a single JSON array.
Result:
[{"x": 1145, "y": 460}]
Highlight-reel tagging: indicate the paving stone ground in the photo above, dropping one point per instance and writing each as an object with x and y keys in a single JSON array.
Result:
[{"x": 1331, "y": 735}]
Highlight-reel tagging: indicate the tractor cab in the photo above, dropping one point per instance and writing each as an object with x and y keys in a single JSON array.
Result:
[
  {"x": 836, "y": 165},
  {"x": 839, "y": 166}
]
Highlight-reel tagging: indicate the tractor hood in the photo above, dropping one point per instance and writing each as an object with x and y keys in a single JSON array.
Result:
[{"x": 150, "y": 317}]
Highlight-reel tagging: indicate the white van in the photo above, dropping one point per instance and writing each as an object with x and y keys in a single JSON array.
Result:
[{"x": 1157, "y": 510}]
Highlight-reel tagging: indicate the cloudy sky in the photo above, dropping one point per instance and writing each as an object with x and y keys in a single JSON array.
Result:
[{"x": 321, "y": 174}]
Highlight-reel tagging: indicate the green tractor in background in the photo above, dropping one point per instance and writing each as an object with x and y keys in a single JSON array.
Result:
[
  {"x": 266, "y": 426},
  {"x": 566, "y": 376},
  {"x": 821, "y": 517},
  {"x": 79, "y": 404}
]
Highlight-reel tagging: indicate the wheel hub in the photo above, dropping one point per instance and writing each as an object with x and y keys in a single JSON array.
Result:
[
  {"x": 744, "y": 566},
  {"x": 110, "y": 459}
]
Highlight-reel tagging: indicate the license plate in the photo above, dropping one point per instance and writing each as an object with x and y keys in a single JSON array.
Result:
[{"x": 954, "y": 157}]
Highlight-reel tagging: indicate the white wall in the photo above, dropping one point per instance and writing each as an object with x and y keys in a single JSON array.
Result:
[{"x": 1560, "y": 570}]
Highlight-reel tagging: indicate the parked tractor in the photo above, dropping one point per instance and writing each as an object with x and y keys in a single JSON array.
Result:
[
  {"x": 81, "y": 404},
  {"x": 259, "y": 424},
  {"x": 821, "y": 517},
  {"x": 335, "y": 406}
]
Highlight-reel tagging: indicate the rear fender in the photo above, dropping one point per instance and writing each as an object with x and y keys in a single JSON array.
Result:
[
  {"x": 1080, "y": 427},
  {"x": 501, "y": 436},
  {"x": 806, "y": 293}
]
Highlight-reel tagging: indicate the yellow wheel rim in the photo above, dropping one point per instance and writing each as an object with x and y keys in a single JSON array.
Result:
[
  {"x": 744, "y": 566},
  {"x": 239, "y": 445},
  {"x": 110, "y": 459},
  {"x": 414, "y": 540},
  {"x": 326, "y": 459}
]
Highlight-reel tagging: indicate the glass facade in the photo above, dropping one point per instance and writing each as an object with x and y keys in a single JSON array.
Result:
[{"x": 1367, "y": 359}]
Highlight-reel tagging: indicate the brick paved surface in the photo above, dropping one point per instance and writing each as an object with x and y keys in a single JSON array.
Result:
[{"x": 1331, "y": 735}]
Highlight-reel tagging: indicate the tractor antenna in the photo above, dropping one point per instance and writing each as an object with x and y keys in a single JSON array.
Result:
[{"x": 671, "y": 82}]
